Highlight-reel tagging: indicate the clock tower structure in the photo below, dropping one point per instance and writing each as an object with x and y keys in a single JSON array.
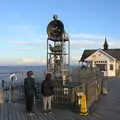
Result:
[{"x": 58, "y": 50}]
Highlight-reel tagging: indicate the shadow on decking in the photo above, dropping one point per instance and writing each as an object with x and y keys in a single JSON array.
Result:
[{"x": 16, "y": 111}]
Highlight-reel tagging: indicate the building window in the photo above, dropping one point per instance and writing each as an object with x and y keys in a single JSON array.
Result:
[{"x": 111, "y": 66}]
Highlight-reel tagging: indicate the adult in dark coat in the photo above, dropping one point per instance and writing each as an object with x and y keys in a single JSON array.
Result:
[
  {"x": 47, "y": 90},
  {"x": 3, "y": 84},
  {"x": 29, "y": 87}
]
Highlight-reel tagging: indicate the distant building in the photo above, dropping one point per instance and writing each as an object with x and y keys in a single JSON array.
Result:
[{"x": 107, "y": 60}]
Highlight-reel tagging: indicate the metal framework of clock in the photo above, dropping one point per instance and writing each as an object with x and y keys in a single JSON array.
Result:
[{"x": 58, "y": 51}]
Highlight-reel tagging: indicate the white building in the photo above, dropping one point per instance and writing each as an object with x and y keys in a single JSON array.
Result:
[{"x": 107, "y": 60}]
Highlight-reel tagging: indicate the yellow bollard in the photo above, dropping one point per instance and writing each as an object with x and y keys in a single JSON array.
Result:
[{"x": 83, "y": 107}]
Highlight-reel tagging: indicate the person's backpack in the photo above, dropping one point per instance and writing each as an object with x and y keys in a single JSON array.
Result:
[{"x": 46, "y": 89}]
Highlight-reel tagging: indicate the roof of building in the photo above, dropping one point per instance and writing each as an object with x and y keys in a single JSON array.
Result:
[
  {"x": 86, "y": 54},
  {"x": 113, "y": 52}
]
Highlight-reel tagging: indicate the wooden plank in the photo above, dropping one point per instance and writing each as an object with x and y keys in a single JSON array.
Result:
[
  {"x": 40, "y": 115},
  {"x": 10, "y": 109},
  {"x": 13, "y": 112},
  {"x": 5, "y": 111},
  {"x": 16, "y": 112},
  {"x": 20, "y": 114},
  {"x": 51, "y": 116},
  {"x": 1, "y": 112}
]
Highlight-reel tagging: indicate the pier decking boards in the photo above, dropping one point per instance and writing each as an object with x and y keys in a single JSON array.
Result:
[
  {"x": 17, "y": 112},
  {"x": 107, "y": 108}
]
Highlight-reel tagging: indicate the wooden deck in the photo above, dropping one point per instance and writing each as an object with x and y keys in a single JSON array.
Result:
[
  {"x": 107, "y": 108},
  {"x": 17, "y": 112}
]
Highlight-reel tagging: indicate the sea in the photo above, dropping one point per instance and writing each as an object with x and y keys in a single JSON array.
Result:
[{"x": 20, "y": 71}]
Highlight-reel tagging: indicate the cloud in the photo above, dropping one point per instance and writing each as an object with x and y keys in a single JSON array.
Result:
[
  {"x": 85, "y": 44},
  {"x": 87, "y": 36},
  {"x": 24, "y": 49},
  {"x": 24, "y": 45},
  {"x": 9, "y": 61},
  {"x": 33, "y": 61},
  {"x": 92, "y": 41},
  {"x": 25, "y": 42},
  {"x": 114, "y": 44},
  {"x": 23, "y": 27},
  {"x": 86, "y": 41},
  {"x": 75, "y": 58},
  {"x": 23, "y": 61},
  {"x": 80, "y": 42}
]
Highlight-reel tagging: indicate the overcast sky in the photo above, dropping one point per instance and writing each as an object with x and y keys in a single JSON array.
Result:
[{"x": 23, "y": 27}]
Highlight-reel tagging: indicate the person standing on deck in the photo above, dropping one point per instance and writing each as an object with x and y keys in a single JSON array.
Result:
[
  {"x": 47, "y": 90},
  {"x": 3, "y": 84},
  {"x": 13, "y": 78},
  {"x": 30, "y": 89}
]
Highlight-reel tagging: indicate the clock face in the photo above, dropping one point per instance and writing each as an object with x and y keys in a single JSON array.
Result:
[{"x": 55, "y": 29}]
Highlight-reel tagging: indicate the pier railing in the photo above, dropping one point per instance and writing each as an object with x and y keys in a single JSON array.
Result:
[
  {"x": 87, "y": 81},
  {"x": 92, "y": 80}
]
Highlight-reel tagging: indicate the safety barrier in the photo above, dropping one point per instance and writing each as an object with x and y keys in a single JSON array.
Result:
[{"x": 89, "y": 82}]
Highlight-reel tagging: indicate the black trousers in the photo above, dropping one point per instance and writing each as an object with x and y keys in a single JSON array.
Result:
[{"x": 29, "y": 102}]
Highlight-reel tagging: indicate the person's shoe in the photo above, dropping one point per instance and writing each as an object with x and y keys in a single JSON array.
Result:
[
  {"x": 49, "y": 111},
  {"x": 31, "y": 113}
]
